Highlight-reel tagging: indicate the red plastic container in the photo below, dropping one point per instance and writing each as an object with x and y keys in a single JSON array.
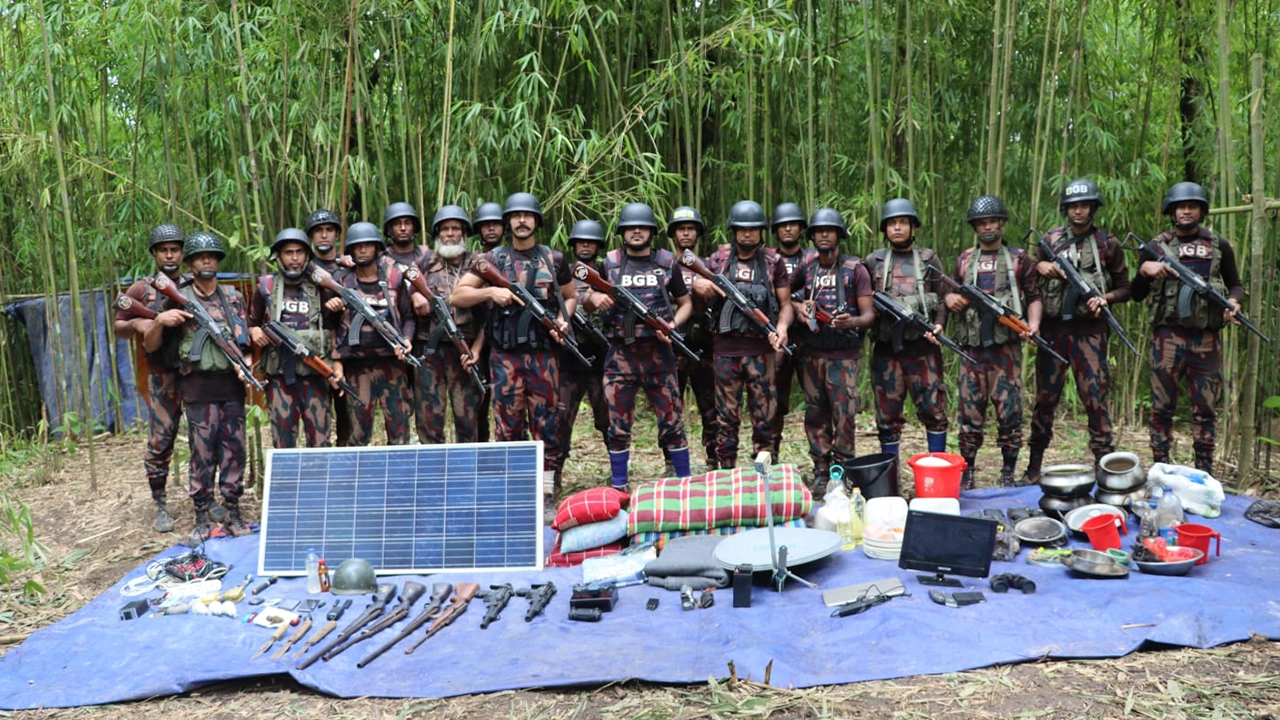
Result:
[
  {"x": 938, "y": 482},
  {"x": 1198, "y": 536}
]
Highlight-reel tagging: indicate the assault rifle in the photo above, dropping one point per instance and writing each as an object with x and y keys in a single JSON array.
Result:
[
  {"x": 439, "y": 593},
  {"x": 635, "y": 309},
  {"x": 495, "y": 601},
  {"x": 904, "y": 318},
  {"x": 533, "y": 306},
  {"x": 1079, "y": 290},
  {"x": 384, "y": 595},
  {"x": 445, "y": 323},
  {"x": 539, "y": 597},
  {"x": 583, "y": 325},
  {"x": 1193, "y": 284},
  {"x": 412, "y": 591},
  {"x": 363, "y": 314},
  {"x": 994, "y": 311},
  {"x": 284, "y": 338},
  {"x": 213, "y": 330},
  {"x": 734, "y": 296},
  {"x": 461, "y": 597},
  {"x": 134, "y": 307}
]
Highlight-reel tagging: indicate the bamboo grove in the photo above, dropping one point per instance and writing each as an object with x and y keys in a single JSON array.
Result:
[{"x": 238, "y": 117}]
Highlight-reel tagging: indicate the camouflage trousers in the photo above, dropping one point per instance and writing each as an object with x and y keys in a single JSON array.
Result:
[
  {"x": 574, "y": 386},
  {"x": 894, "y": 376},
  {"x": 831, "y": 404},
  {"x": 441, "y": 383},
  {"x": 701, "y": 375},
  {"x": 650, "y": 365},
  {"x": 786, "y": 369},
  {"x": 995, "y": 377},
  {"x": 483, "y": 431},
  {"x": 215, "y": 431},
  {"x": 1196, "y": 356},
  {"x": 1088, "y": 356},
  {"x": 526, "y": 390},
  {"x": 306, "y": 403},
  {"x": 165, "y": 403},
  {"x": 341, "y": 418},
  {"x": 384, "y": 382},
  {"x": 754, "y": 375}
]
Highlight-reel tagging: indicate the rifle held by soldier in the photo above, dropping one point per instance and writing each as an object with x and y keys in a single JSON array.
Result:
[
  {"x": 903, "y": 319},
  {"x": 213, "y": 330},
  {"x": 994, "y": 311},
  {"x": 634, "y": 307},
  {"x": 363, "y": 314},
  {"x": 734, "y": 296},
  {"x": 445, "y": 323},
  {"x": 1080, "y": 291},
  {"x": 284, "y": 338},
  {"x": 1193, "y": 284},
  {"x": 536, "y": 309}
]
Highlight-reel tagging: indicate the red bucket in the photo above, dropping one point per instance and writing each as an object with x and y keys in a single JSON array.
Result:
[
  {"x": 942, "y": 481},
  {"x": 1198, "y": 536}
]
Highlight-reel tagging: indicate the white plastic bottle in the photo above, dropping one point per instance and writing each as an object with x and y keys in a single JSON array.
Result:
[
  {"x": 313, "y": 571},
  {"x": 857, "y": 519},
  {"x": 1168, "y": 514}
]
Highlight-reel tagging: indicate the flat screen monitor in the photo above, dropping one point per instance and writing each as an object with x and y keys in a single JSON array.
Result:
[{"x": 942, "y": 545}]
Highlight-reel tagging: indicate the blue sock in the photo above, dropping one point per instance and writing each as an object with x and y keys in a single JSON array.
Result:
[
  {"x": 680, "y": 461},
  {"x": 618, "y": 467},
  {"x": 937, "y": 441}
]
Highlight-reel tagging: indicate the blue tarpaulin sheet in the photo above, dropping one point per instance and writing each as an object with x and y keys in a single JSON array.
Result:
[{"x": 93, "y": 657}]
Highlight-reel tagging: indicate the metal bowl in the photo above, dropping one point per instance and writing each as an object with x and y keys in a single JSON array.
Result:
[
  {"x": 1095, "y": 564},
  {"x": 1076, "y": 518},
  {"x": 1056, "y": 507},
  {"x": 1120, "y": 472},
  {"x": 1177, "y": 567},
  {"x": 1039, "y": 530},
  {"x": 1067, "y": 481},
  {"x": 1121, "y": 500}
]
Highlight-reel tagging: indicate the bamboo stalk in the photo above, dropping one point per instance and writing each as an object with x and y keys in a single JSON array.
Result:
[{"x": 1257, "y": 265}]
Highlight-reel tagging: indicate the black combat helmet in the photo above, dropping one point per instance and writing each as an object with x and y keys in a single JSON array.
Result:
[
  {"x": 397, "y": 210},
  {"x": 288, "y": 235},
  {"x": 364, "y": 232},
  {"x": 636, "y": 215},
  {"x": 523, "y": 202},
  {"x": 896, "y": 208},
  {"x": 1183, "y": 192},
  {"x": 786, "y": 213},
  {"x": 451, "y": 212},
  {"x": 202, "y": 242},
  {"x": 588, "y": 230},
  {"x": 321, "y": 217},
  {"x": 987, "y": 206},
  {"x": 745, "y": 214},
  {"x": 487, "y": 212},
  {"x": 828, "y": 217},
  {"x": 166, "y": 232},
  {"x": 685, "y": 214},
  {"x": 1080, "y": 190}
]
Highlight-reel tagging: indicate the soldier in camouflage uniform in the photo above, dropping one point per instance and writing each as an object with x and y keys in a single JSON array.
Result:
[
  {"x": 685, "y": 230},
  {"x": 1083, "y": 339},
  {"x": 576, "y": 380},
  {"x": 640, "y": 357},
  {"x": 365, "y": 359},
  {"x": 523, "y": 355},
  {"x": 401, "y": 226},
  {"x": 996, "y": 375},
  {"x": 324, "y": 229},
  {"x": 444, "y": 379},
  {"x": 902, "y": 271},
  {"x": 488, "y": 226},
  {"x": 1187, "y": 347},
  {"x": 743, "y": 360},
  {"x": 788, "y": 228},
  {"x": 164, "y": 400},
  {"x": 212, "y": 391},
  {"x": 296, "y": 395},
  {"x": 840, "y": 286}
]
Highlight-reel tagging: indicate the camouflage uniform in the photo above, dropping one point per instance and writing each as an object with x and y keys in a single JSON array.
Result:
[
  {"x": 441, "y": 381},
  {"x": 578, "y": 381},
  {"x": 341, "y": 415},
  {"x": 917, "y": 369},
  {"x": 421, "y": 378},
  {"x": 787, "y": 364},
  {"x": 996, "y": 374},
  {"x": 1082, "y": 339},
  {"x": 1190, "y": 347},
  {"x": 701, "y": 374},
  {"x": 369, "y": 363},
  {"x": 296, "y": 395},
  {"x": 828, "y": 364},
  {"x": 743, "y": 357}
]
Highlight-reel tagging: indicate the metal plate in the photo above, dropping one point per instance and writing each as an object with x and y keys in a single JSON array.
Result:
[
  {"x": 1077, "y": 517},
  {"x": 752, "y": 547},
  {"x": 1100, "y": 569}
]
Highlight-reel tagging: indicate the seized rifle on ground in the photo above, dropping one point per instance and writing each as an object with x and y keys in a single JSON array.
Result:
[
  {"x": 539, "y": 597},
  {"x": 380, "y": 599},
  {"x": 334, "y": 615},
  {"x": 1193, "y": 284},
  {"x": 495, "y": 601},
  {"x": 582, "y": 324},
  {"x": 536, "y": 309},
  {"x": 445, "y": 323},
  {"x": 439, "y": 593},
  {"x": 635, "y": 309},
  {"x": 994, "y": 311},
  {"x": 734, "y": 296},
  {"x": 284, "y": 338},
  {"x": 461, "y": 597},
  {"x": 213, "y": 330},
  {"x": 362, "y": 313},
  {"x": 904, "y": 318},
  {"x": 1079, "y": 290},
  {"x": 412, "y": 591}
]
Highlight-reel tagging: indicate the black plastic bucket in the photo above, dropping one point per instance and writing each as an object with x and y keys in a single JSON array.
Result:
[{"x": 872, "y": 474}]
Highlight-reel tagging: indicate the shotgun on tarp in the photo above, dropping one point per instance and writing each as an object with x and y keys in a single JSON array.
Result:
[
  {"x": 461, "y": 597},
  {"x": 408, "y": 596},
  {"x": 439, "y": 593},
  {"x": 383, "y": 596}
]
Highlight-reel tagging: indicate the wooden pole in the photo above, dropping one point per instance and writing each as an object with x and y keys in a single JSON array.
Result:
[{"x": 1249, "y": 383}]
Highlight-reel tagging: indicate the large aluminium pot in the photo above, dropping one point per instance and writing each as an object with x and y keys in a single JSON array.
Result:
[
  {"x": 1120, "y": 472},
  {"x": 1122, "y": 500},
  {"x": 1057, "y": 508},
  {"x": 1067, "y": 481}
]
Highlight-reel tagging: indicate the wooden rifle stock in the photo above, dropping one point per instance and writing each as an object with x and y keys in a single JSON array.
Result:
[
  {"x": 134, "y": 308},
  {"x": 539, "y": 311},
  {"x": 282, "y": 336},
  {"x": 360, "y": 307},
  {"x": 446, "y": 323},
  {"x": 635, "y": 305},
  {"x": 987, "y": 305},
  {"x": 212, "y": 328},
  {"x": 461, "y": 597},
  {"x": 733, "y": 295}
]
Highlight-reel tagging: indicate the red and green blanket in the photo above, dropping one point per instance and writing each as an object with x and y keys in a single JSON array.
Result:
[{"x": 717, "y": 499}]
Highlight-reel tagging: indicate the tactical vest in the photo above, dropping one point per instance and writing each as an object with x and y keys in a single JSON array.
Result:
[
  {"x": 1054, "y": 290},
  {"x": 697, "y": 329},
  {"x": 1164, "y": 293},
  {"x": 442, "y": 277},
  {"x": 753, "y": 279},
  {"x": 513, "y": 327},
  {"x": 829, "y": 289},
  {"x": 165, "y": 358},
  {"x": 197, "y": 350},
  {"x": 650, "y": 286},
  {"x": 968, "y": 324},
  {"x": 309, "y": 329},
  {"x": 908, "y": 288},
  {"x": 389, "y": 282}
]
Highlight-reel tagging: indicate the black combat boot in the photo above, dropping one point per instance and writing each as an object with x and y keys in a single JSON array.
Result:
[
  {"x": 1032, "y": 474},
  {"x": 966, "y": 477},
  {"x": 234, "y": 524},
  {"x": 217, "y": 513},
  {"x": 1204, "y": 462},
  {"x": 200, "y": 531},
  {"x": 1008, "y": 468},
  {"x": 163, "y": 521}
]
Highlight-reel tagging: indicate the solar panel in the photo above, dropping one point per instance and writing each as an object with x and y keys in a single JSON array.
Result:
[{"x": 408, "y": 509}]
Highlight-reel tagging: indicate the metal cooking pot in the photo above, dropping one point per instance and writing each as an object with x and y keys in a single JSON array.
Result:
[
  {"x": 1067, "y": 481},
  {"x": 1122, "y": 499},
  {"x": 1056, "y": 507},
  {"x": 1120, "y": 472}
]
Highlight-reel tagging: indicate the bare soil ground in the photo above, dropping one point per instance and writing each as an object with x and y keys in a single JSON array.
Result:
[{"x": 95, "y": 538}]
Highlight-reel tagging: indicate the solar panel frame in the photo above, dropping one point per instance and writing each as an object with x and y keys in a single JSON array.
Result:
[{"x": 407, "y": 509}]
